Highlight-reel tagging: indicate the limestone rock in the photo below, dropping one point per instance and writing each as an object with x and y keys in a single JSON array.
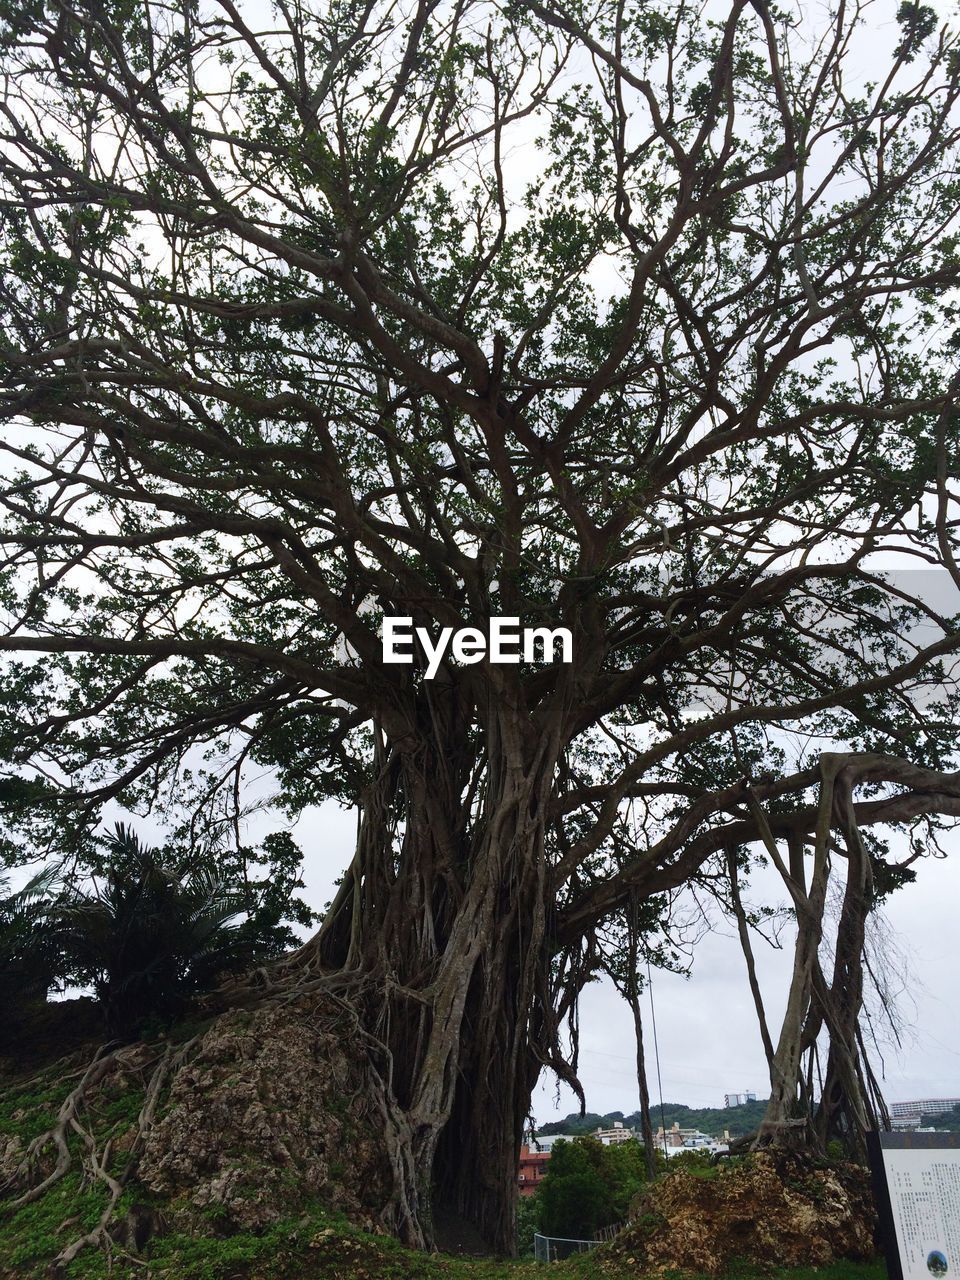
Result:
[
  {"x": 774, "y": 1212},
  {"x": 268, "y": 1115}
]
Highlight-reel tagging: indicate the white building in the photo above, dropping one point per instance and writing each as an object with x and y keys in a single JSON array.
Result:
[
  {"x": 544, "y": 1142},
  {"x": 618, "y": 1134},
  {"x": 676, "y": 1140},
  {"x": 609, "y": 1137},
  {"x": 906, "y": 1115},
  {"x": 739, "y": 1099}
]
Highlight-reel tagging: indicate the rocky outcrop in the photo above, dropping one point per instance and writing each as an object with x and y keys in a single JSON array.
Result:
[
  {"x": 268, "y": 1115},
  {"x": 772, "y": 1211}
]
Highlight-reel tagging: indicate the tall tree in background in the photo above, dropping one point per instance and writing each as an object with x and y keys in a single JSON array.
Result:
[{"x": 631, "y": 320}]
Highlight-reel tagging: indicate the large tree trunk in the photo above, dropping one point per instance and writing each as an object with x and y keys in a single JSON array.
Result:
[
  {"x": 787, "y": 1121},
  {"x": 437, "y": 937}
]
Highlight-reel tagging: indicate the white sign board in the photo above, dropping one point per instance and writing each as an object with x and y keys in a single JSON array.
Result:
[{"x": 917, "y": 1185}]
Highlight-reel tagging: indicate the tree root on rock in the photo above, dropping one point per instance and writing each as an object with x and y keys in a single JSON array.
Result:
[{"x": 95, "y": 1160}]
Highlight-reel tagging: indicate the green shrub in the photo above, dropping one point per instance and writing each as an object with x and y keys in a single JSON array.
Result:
[
  {"x": 588, "y": 1186},
  {"x": 528, "y": 1221}
]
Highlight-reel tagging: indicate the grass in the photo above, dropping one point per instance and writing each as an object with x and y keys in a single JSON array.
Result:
[
  {"x": 29, "y": 1239},
  {"x": 317, "y": 1246},
  {"x": 29, "y": 1111}
]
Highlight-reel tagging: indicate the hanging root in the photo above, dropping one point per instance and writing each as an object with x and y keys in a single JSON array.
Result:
[{"x": 404, "y": 1213}]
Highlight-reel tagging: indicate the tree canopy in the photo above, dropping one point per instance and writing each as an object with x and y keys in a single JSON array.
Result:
[{"x": 634, "y": 321}]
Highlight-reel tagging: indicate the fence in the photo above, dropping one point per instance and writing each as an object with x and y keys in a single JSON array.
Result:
[
  {"x": 607, "y": 1233},
  {"x": 555, "y": 1248}
]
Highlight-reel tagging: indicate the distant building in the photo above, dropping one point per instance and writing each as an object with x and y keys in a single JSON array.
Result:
[
  {"x": 544, "y": 1142},
  {"x": 906, "y": 1115},
  {"x": 670, "y": 1137},
  {"x": 738, "y": 1099},
  {"x": 609, "y": 1137},
  {"x": 676, "y": 1140},
  {"x": 533, "y": 1165},
  {"x": 618, "y": 1134}
]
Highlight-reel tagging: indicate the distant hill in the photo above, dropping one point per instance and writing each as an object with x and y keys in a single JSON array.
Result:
[
  {"x": 712, "y": 1120},
  {"x": 949, "y": 1121}
]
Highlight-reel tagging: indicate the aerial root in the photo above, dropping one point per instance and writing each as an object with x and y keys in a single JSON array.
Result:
[
  {"x": 95, "y": 1160},
  {"x": 102, "y": 1234},
  {"x": 67, "y": 1120}
]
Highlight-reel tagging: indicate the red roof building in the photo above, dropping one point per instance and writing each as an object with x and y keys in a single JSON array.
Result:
[{"x": 533, "y": 1165}]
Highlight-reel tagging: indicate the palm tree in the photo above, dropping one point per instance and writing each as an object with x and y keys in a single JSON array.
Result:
[
  {"x": 149, "y": 936},
  {"x": 30, "y": 959}
]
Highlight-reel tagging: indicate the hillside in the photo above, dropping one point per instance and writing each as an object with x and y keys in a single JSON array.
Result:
[
  {"x": 711, "y": 1120},
  {"x": 949, "y": 1121}
]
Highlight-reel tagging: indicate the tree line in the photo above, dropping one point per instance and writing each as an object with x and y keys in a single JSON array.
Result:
[{"x": 714, "y": 1121}]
